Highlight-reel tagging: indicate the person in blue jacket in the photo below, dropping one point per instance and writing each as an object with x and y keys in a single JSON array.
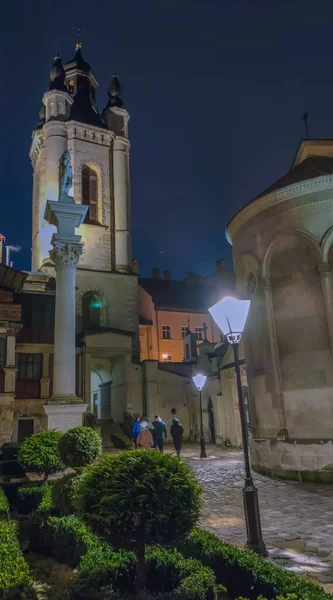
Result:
[{"x": 136, "y": 431}]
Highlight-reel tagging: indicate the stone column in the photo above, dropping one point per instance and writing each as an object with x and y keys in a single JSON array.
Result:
[
  {"x": 65, "y": 258},
  {"x": 64, "y": 409},
  {"x": 121, "y": 187},
  {"x": 326, "y": 284},
  {"x": 278, "y": 401}
]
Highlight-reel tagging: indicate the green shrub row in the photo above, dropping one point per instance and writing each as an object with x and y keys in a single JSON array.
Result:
[
  {"x": 246, "y": 574},
  {"x": 68, "y": 540},
  {"x": 4, "y": 505},
  {"x": 29, "y": 497},
  {"x": 15, "y": 582}
]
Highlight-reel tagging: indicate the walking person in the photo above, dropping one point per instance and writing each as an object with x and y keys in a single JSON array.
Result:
[
  {"x": 160, "y": 433},
  {"x": 176, "y": 432},
  {"x": 145, "y": 439},
  {"x": 136, "y": 431}
]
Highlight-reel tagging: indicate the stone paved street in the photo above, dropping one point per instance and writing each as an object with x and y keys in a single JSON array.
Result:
[{"x": 296, "y": 517}]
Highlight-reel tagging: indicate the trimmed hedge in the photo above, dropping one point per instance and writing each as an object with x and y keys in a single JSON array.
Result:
[
  {"x": 169, "y": 575},
  {"x": 15, "y": 582},
  {"x": 4, "y": 505},
  {"x": 68, "y": 540},
  {"x": 62, "y": 493},
  {"x": 11, "y": 468},
  {"x": 29, "y": 498},
  {"x": 246, "y": 574},
  {"x": 9, "y": 450}
]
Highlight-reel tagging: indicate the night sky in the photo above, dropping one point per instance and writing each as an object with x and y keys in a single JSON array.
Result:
[{"x": 216, "y": 93}]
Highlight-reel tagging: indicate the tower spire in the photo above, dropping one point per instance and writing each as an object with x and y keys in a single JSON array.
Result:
[
  {"x": 78, "y": 37},
  {"x": 57, "y": 75},
  {"x": 115, "y": 92}
]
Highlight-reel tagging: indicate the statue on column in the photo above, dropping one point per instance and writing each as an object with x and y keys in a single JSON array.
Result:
[{"x": 65, "y": 177}]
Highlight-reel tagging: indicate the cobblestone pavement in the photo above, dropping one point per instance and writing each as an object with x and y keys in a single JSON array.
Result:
[{"x": 296, "y": 517}]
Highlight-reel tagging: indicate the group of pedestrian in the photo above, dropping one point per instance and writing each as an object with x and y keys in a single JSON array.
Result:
[{"x": 148, "y": 435}]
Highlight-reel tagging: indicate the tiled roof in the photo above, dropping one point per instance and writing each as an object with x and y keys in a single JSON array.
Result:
[{"x": 311, "y": 167}]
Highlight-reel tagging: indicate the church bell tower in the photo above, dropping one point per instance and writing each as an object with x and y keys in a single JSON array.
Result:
[{"x": 99, "y": 148}]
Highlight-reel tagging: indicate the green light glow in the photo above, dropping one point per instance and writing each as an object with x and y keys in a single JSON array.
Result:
[{"x": 95, "y": 303}]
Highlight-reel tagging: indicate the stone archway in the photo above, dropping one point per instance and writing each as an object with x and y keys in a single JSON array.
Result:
[{"x": 100, "y": 391}]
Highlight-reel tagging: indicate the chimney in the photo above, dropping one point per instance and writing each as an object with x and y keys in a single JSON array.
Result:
[
  {"x": 135, "y": 266},
  {"x": 166, "y": 275},
  {"x": 220, "y": 264},
  {"x": 155, "y": 273}
]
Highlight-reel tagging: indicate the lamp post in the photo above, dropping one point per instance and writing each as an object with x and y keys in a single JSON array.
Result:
[
  {"x": 199, "y": 381},
  {"x": 230, "y": 315}
]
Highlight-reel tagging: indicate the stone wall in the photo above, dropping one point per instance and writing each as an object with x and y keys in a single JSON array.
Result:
[{"x": 281, "y": 246}]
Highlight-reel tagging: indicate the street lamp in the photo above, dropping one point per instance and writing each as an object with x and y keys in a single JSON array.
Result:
[
  {"x": 199, "y": 381},
  {"x": 230, "y": 315}
]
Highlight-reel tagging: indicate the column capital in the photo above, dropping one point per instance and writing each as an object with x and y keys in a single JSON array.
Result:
[
  {"x": 65, "y": 254},
  {"x": 13, "y": 331}
]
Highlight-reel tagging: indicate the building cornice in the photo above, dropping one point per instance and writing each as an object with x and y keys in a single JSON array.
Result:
[
  {"x": 96, "y": 134},
  {"x": 302, "y": 188}
]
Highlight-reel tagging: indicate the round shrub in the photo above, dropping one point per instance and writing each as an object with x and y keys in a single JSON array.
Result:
[
  {"x": 39, "y": 453},
  {"x": 80, "y": 446},
  {"x": 135, "y": 498},
  {"x": 62, "y": 493}
]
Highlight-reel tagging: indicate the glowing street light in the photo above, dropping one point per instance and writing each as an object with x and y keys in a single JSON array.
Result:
[
  {"x": 230, "y": 315},
  {"x": 199, "y": 381}
]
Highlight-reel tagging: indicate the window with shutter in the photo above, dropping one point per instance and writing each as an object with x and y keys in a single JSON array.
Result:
[{"x": 90, "y": 193}]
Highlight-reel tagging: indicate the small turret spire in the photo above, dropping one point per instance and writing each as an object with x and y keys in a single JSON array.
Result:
[
  {"x": 115, "y": 92},
  {"x": 57, "y": 75}
]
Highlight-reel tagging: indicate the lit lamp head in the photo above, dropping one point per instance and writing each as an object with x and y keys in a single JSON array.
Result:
[
  {"x": 199, "y": 381},
  {"x": 230, "y": 315},
  {"x": 164, "y": 356}
]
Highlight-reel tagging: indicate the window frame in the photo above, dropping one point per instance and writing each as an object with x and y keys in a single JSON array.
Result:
[
  {"x": 184, "y": 331},
  {"x": 91, "y": 323},
  {"x": 90, "y": 186},
  {"x": 166, "y": 329},
  {"x": 198, "y": 333},
  {"x": 29, "y": 368}
]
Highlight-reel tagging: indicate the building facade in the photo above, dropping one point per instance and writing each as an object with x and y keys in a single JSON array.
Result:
[
  {"x": 130, "y": 352},
  {"x": 282, "y": 247}
]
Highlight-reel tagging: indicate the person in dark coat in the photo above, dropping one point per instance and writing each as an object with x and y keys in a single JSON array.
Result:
[
  {"x": 176, "y": 432},
  {"x": 136, "y": 431},
  {"x": 160, "y": 433}
]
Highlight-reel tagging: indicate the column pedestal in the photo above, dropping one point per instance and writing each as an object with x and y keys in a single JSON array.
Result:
[{"x": 64, "y": 416}]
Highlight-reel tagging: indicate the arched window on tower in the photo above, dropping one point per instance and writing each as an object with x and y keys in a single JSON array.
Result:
[
  {"x": 90, "y": 193},
  {"x": 91, "y": 311}
]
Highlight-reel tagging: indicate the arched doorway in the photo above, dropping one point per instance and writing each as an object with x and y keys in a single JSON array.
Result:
[{"x": 211, "y": 421}]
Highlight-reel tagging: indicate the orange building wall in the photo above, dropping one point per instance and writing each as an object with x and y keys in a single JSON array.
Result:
[{"x": 174, "y": 346}]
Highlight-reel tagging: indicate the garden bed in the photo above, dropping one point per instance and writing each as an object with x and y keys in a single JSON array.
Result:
[{"x": 132, "y": 531}]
